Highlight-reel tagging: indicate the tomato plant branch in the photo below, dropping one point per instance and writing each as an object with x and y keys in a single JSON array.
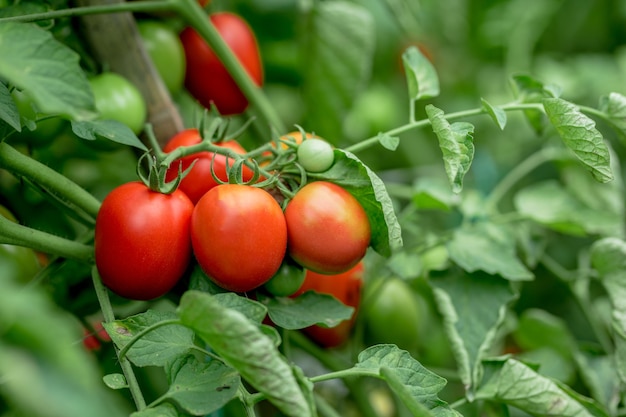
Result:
[
  {"x": 21, "y": 165},
  {"x": 109, "y": 317},
  {"x": 20, "y": 235},
  {"x": 138, "y": 6},
  {"x": 520, "y": 171},
  {"x": 192, "y": 12}
]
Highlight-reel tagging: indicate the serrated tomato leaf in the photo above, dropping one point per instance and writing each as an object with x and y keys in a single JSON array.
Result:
[
  {"x": 497, "y": 114},
  {"x": 579, "y": 133},
  {"x": 8, "y": 110},
  {"x": 306, "y": 310},
  {"x": 107, "y": 130},
  {"x": 157, "y": 347},
  {"x": 512, "y": 382},
  {"x": 421, "y": 76},
  {"x": 244, "y": 347},
  {"x": 456, "y": 144},
  {"x": 47, "y": 69},
  {"x": 349, "y": 172},
  {"x": 473, "y": 306},
  {"x": 415, "y": 385},
  {"x": 201, "y": 388}
]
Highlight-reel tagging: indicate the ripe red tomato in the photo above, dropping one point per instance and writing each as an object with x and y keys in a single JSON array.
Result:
[
  {"x": 206, "y": 77},
  {"x": 239, "y": 236},
  {"x": 346, "y": 287},
  {"x": 199, "y": 180},
  {"x": 142, "y": 241},
  {"x": 328, "y": 228}
]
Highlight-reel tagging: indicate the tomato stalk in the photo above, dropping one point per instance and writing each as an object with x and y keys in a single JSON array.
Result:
[
  {"x": 21, "y": 165},
  {"x": 109, "y": 317}
]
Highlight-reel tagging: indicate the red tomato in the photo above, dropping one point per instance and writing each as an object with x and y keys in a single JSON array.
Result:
[
  {"x": 346, "y": 287},
  {"x": 328, "y": 228},
  {"x": 199, "y": 180},
  {"x": 239, "y": 236},
  {"x": 206, "y": 77},
  {"x": 142, "y": 241}
]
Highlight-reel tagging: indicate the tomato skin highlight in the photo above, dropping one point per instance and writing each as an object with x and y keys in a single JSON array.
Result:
[
  {"x": 328, "y": 229},
  {"x": 142, "y": 240},
  {"x": 206, "y": 78},
  {"x": 347, "y": 288},
  {"x": 239, "y": 236},
  {"x": 199, "y": 180}
]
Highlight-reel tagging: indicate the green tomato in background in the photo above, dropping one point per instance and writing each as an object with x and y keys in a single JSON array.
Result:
[
  {"x": 166, "y": 51},
  {"x": 17, "y": 263},
  {"x": 45, "y": 130},
  {"x": 118, "y": 99},
  {"x": 392, "y": 314},
  {"x": 287, "y": 280}
]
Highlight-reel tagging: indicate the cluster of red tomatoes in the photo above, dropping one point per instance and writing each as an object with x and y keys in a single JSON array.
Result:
[{"x": 239, "y": 234}]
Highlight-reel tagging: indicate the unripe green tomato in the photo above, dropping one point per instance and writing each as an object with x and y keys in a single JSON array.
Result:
[
  {"x": 392, "y": 314},
  {"x": 46, "y": 130},
  {"x": 315, "y": 155},
  {"x": 118, "y": 99},
  {"x": 17, "y": 263},
  {"x": 166, "y": 51},
  {"x": 287, "y": 280}
]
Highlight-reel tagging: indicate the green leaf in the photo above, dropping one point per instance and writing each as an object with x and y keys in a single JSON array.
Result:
[
  {"x": 549, "y": 204},
  {"x": 490, "y": 248},
  {"x": 115, "y": 381},
  {"x": 433, "y": 193},
  {"x": 363, "y": 183},
  {"x": 456, "y": 144},
  {"x": 161, "y": 410},
  {"x": 245, "y": 348},
  {"x": 48, "y": 70},
  {"x": 579, "y": 133},
  {"x": 472, "y": 306},
  {"x": 537, "y": 329},
  {"x": 388, "y": 141},
  {"x": 415, "y": 385},
  {"x": 338, "y": 47},
  {"x": 156, "y": 348},
  {"x": 497, "y": 114},
  {"x": 421, "y": 76},
  {"x": 405, "y": 265},
  {"x": 530, "y": 90},
  {"x": 8, "y": 110},
  {"x": 608, "y": 257},
  {"x": 253, "y": 310},
  {"x": 614, "y": 107},
  {"x": 201, "y": 388},
  {"x": 516, "y": 384},
  {"x": 107, "y": 130},
  {"x": 306, "y": 310}
]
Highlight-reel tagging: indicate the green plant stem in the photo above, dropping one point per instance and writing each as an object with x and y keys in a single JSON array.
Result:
[
  {"x": 192, "y": 12},
  {"x": 138, "y": 6},
  {"x": 248, "y": 400},
  {"x": 21, "y": 165},
  {"x": 449, "y": 116},
  {"x": 16, "y": 234},
  {"x": 520, "y": 171},
  {"x": 109, "y": 317},
  {"x": 338, "y": 367}
]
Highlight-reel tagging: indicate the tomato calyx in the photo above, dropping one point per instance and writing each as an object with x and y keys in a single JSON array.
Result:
[{"x": 154, "y": 179}]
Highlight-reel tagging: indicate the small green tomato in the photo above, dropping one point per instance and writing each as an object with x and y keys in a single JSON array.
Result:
[{"x": 315, "y": 155}]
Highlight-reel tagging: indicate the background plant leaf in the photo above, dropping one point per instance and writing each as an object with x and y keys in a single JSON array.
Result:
[
  {"x": 47, "y": 69},
  {"x": 579, "y": 133},
  {"x": 245, "y": 348},
  {"x": 306, "y": 310},
  {"x": 421, "y": 76},
  {"x": 107, "y": 130}
]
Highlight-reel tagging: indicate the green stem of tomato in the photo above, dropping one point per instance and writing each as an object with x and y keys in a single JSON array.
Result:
[
  {"x": 16, "y": 234},
  {"x": 192, "y": 12},
  {"x": 21, "y": 165},
  {"x": 135, "y": 6},
  {"x": 338, "y": 368},
  {"x": 109, "y": 317}
]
